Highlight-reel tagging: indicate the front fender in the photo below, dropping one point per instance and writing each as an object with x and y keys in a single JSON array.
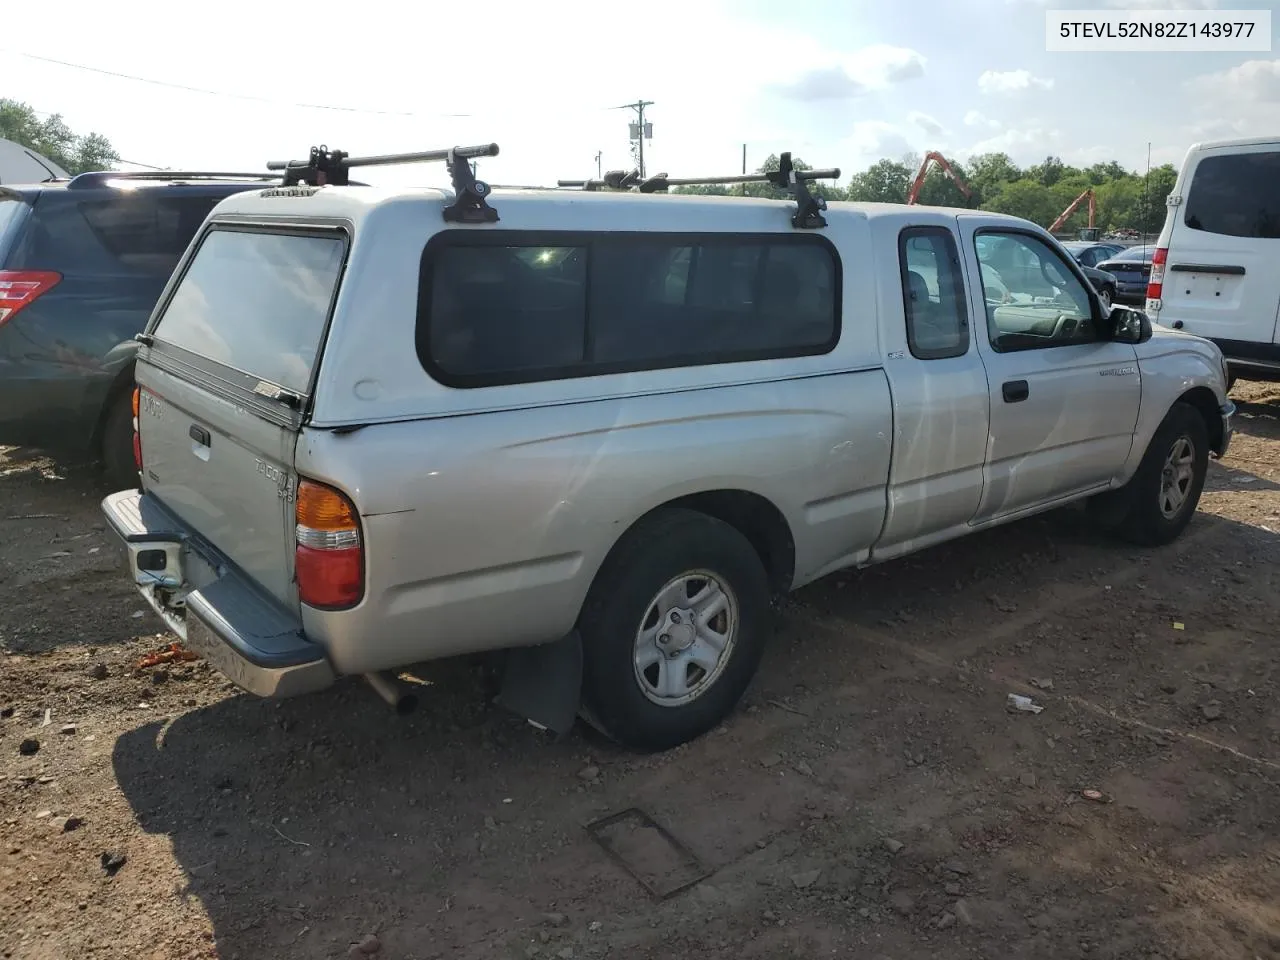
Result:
[{"x": 1172, "y": 366}]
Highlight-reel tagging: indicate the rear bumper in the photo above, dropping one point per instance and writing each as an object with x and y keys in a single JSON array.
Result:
[{"x": 254, "y": 642}]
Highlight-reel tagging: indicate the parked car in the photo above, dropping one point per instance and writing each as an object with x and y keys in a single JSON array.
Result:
[
  {"x": 1217, "y": 262},
  {"x": 1132, "y": 271},
  {"x": 381, "y": 427},
  {"x": 1091, "y": 254},
  {"x": 1102, "y": 282},
  {"x": 82, "y": 262}
]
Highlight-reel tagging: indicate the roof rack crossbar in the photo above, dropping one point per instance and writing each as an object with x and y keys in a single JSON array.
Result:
[
  {"x": 96, "y": 178},
  {"x": 809, "y": 208},
  {"x": 330, "y": 167}
]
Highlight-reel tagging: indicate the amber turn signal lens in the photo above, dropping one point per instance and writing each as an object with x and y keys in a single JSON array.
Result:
[{"x": 323, "y": 508}]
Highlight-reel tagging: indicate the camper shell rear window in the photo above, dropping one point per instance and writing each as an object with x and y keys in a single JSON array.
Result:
[{"x": 257, "y": 301}]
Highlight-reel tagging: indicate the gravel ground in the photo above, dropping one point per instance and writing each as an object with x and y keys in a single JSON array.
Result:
[{"x": 872, "y": 798}]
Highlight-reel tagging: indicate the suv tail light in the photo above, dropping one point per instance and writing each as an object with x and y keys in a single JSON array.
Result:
[
  {"x": 137, "y": 437},
  {"x": 1155, "y": 283},
  {"x": 20, "y": 288},
  {"x": 329, "y": 552}
]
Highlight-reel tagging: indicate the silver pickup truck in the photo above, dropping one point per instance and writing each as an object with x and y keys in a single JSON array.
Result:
[{"x": 601, "y": 430}]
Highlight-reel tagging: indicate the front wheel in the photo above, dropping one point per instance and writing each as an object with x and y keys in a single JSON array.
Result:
[
  {"x": 673, "y": 629},
  {"x": 1160, "y": 499},
  {"x": 1107, "y": 296}
]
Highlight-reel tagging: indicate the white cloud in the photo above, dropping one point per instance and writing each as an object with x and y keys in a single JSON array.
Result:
[
  {"x": 872, "y": 140},
  {"x": 1011, "y": 81},
  {"x": 926, "y": 123},
  {"x": 843, "y": 77},
  {"x": 1162, "y": 4},
  {"x": 1254, "y": 81},
  {"x": 1024, "y": 146},
  {"x": 976, "y": 118}
]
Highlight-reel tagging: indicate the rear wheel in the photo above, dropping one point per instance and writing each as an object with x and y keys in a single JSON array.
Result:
[
  {"x": 1156, "y": 505},
  {"x": 118, "y": 466},
  {"x": 672, "y": 629},
  {"x": 1107, "y": 295}
]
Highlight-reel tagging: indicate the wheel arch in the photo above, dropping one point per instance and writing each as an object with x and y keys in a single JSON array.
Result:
[
  {"x": 120, "y": 387},
  {"x": 1203, "y": 401},
  {"x": 753, "y": 515}
]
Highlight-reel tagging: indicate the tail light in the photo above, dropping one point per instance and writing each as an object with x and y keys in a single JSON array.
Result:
[
  {"x": 137, "y": 437},
  {"x": 328, "y": 552},
  {"x": 20, "y": 288},
  {"x": 1155, "y": 283}
]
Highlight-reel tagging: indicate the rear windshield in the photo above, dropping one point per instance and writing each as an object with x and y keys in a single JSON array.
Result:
[
  {"x": 1237, "y": 195},
  {"x": 257, "y": 302},
  {"x": 139, "y": 233},
  {"x": 11, "y": 214}
]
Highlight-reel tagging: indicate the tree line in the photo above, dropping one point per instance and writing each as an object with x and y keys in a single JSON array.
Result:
[
  {"x": 1039, "y": 193},
  {"x": 52, "y": 138}
]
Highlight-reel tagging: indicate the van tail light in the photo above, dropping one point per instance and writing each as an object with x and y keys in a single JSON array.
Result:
[
  {"x": 21, "y": 288},
  {"x": 1155, "y": 283},
  {"x": 329, "y": 551},
  {"x": 137, "y": 437}
]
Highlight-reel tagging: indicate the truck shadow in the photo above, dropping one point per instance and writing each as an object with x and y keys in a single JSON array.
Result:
[{"x": 302, "y": 825}]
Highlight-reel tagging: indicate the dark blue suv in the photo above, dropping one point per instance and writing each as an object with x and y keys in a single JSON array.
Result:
[{"x": 82, "y": 262}]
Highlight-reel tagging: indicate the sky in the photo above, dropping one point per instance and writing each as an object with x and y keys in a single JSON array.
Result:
[{"x": 840, "y": 84}]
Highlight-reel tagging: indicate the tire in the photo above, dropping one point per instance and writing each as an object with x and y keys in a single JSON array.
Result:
[
  {"x": 668, "y": 556},
  {"x": 1161, "y": 498},
  {"x": 1108, "y": 296},
  {"x": 118, "y": 466}
]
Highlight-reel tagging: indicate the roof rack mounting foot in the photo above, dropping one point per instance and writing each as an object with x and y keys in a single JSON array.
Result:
[
  {"x": 808, "y": 215},
  {"x": 323, "y": 166},
  {"x": 469, "y": 205}
]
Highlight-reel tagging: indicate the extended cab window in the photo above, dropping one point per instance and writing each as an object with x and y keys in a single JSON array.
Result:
[
  {"x": 509, "y": 308},
  {"x": 256, "y": 302},
  {"x": 933, "y": 293},
  {"x": 1237, "y": 195},
  {"x": 1033, "y": 299}
]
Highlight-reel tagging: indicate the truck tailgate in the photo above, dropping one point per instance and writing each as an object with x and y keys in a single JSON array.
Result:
[
  {"x": 224, "y": 384},
  {"x": 222, "y": 471}
]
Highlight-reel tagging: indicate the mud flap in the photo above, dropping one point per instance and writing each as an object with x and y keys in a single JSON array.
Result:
[{"x": 543, "y": 684}]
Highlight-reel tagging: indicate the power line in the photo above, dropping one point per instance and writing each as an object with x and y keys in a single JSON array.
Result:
[{"x": 254, "y": 98}]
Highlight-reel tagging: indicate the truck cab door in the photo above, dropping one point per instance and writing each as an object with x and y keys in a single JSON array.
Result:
[{"x": 1064, "y": 398}]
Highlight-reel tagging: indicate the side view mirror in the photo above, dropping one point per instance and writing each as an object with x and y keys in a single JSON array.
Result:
[{"x": 1127, "y": 325}]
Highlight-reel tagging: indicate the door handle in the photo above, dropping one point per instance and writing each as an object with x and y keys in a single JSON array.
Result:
[
  {"x": 199, "y": 434},
  {"x": 1015, "y": 391}
]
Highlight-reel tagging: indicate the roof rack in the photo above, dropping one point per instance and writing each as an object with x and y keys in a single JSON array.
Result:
[
  {"x": 97, "y": 178},
  {"x": 330, "y": 167},
  {"x": 808, "y": 215}
]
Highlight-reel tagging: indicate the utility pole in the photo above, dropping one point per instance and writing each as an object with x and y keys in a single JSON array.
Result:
[
  {"x": 640, "y": 131},
  {"x": 744, "y": 168},
  {"x": 599, "y": 172}
]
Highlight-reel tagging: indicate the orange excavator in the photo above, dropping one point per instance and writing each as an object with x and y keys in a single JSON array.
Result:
[
  {"x": 1090, "y": 232},
  {"x": 913, "y": 194}
]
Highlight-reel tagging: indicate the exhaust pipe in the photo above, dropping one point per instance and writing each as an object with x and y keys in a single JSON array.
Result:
[{"x": 390, "y": 689}]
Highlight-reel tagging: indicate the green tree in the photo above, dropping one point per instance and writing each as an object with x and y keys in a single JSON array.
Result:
[
  {"x": 1154, "y": 193},
  {"x": 1025, "y": 198},
  {"x": 885, "y": 181},
  {"x": 54, "y": 139},
  {"x": 986, "y": 172}
]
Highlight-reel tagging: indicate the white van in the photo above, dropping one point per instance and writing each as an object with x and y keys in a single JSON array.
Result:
[{"x": 1216, "y": 269}]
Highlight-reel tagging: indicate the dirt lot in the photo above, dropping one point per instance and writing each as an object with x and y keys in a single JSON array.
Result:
[{"x": 873, "y": 798}]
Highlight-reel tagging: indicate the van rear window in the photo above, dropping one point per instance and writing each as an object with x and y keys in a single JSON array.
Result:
[
  {"x": 1237, "y": 195},
  {"x": 257, "y": 302}
]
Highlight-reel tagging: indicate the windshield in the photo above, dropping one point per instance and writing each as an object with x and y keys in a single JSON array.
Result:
[{"x": 12, "y": 211}]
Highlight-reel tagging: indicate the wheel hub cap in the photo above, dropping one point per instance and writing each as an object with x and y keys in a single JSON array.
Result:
[
  {"x": 685, "y": 638},
  {"x": 1176, "y": 477}
]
